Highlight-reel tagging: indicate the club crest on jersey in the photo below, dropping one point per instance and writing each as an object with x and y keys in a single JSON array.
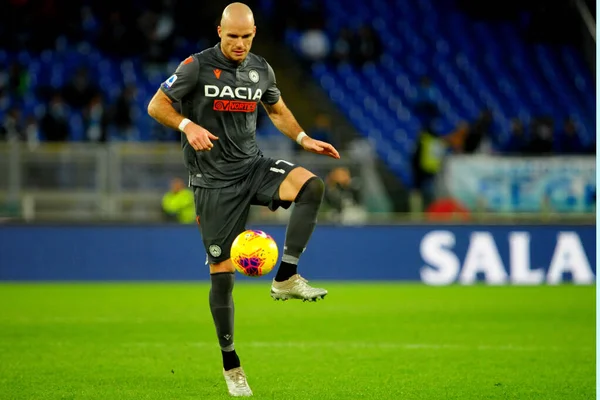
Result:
[
  {"x": 253, "y": 75},
  {"x": 242, "y": 93}
]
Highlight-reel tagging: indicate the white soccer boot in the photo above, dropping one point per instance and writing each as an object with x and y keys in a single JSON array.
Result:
[
  {"x": 296, "y": 288},
  {"x": 237, "y": 385}
]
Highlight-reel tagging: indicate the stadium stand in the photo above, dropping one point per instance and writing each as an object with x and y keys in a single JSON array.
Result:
[{"x": 474, "y": 65}]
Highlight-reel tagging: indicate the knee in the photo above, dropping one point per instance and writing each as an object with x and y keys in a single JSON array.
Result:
[
  {"x": 221, "y": 286},
  {"x": 222, "y": 267},
  {"x": 312, "y": 191}
]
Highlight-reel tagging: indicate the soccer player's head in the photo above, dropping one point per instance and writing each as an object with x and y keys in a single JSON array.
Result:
[{"x": 236, "y": 31}]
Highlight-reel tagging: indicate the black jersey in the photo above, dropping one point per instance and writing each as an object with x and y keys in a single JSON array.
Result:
[{"x": 222, "y": 96}]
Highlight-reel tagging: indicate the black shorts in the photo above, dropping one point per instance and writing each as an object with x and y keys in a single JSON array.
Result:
[{"x": 222, "y": 213}]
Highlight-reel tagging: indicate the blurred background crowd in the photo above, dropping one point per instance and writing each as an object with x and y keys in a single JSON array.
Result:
[{"x": 415, "y": 80}]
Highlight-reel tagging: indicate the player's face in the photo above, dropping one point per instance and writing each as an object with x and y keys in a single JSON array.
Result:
[{"x": 236, "y": 40}]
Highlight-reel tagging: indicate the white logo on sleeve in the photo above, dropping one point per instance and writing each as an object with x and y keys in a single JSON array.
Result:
[
  {"x": 285, "y": 162},
  {"x": 253, "y": 75},
  {"x": 169, "y": 82}
]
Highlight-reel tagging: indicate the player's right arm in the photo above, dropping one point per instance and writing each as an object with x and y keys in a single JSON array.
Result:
[{"x": 182, "y": 82}]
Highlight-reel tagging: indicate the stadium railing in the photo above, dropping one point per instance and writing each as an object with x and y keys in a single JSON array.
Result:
[
  {"x": 124, "y": 182},
  {"x": 106, "y": 182}
]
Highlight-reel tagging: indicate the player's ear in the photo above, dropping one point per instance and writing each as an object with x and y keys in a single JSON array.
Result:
[
  {"x": 254, "y": 33},
  {"x": 219, "y": 30}
]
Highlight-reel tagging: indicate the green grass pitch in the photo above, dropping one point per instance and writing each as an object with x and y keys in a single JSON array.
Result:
[{"x": 364, "y": 341}]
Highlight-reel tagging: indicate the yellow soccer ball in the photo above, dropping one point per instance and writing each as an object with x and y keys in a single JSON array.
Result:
[{"x": 254, "y": 253}]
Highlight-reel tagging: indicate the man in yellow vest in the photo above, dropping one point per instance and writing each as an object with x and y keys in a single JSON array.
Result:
[
  {"x": 178, "y": 203},
  {"x": 427, "y": 163}
]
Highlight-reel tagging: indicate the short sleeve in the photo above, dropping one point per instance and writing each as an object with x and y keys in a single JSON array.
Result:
[
  {"x": 183, "y": 81},
  {"x": 272, "y": 94}
]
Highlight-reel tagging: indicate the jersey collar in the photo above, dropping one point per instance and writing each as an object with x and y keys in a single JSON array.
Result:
[{"x": 221, "y": 57}]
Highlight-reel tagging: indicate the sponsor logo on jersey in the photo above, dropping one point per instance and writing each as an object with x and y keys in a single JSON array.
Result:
[
  {"x": 242, "y": 93},
  {"x": 234, "y": 105},
  {"x": 188, "y": 60},
  {"x": 169, "y": 82}
]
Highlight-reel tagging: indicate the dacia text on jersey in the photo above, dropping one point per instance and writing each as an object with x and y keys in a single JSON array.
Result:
[{"x": 235, "y": 105}]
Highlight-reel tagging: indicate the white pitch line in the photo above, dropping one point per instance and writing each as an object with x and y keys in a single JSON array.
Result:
[
  {"x": 341, "y": 345},
  {"x": 372, "y": 345}
]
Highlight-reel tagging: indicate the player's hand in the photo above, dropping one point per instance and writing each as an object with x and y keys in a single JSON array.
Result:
[
  {"x": 198, "y": 137},
  {"x": 319, "y": 147}
]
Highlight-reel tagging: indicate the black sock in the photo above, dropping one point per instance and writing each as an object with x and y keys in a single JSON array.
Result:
[
  {"x": 222, "y": 309},
  {"x": 301, "y": 226},
  {"x": 285, "y": 271},
  {"x": 230, "y": 360}
]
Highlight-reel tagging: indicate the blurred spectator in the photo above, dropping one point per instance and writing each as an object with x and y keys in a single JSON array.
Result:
[
  {"x": 95, "y": 120},
  {"x": 122, "y": 114},
  {"x": 517, "y": 142},
  {"x": 178, "y": 203},
  {"x": 427, "y": 163},
  {"x": 479, "y": 138},
  {"x": 368, "y": 45},
  {"x": 342, "y": 46},
  {"x": 542, "y": 136},
  {"x": 80, "y": 90},
  {"x": 12, "y": 126},
  {"x": 569, "y": 141},
  {"x": 342, "y": 197},
  {"x": 426, "y": 108},
  {"x": 32, "y": 131},
  {"x": 16, "y": 80},
  {"x": 157, "y": 26},
  {"x": 90, "y": 25},
  {"x": 456, "y": 138},
  {"x": 314, "y": 44},
  {"x": 54, "y": 125}
]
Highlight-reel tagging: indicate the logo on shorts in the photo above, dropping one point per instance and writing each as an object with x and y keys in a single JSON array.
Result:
[
  {"x": 214, "y": 250},
  {"x": 253, "y": 75}
]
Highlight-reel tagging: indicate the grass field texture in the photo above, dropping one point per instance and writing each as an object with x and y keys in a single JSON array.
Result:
[{"x": 364, "y": 341}]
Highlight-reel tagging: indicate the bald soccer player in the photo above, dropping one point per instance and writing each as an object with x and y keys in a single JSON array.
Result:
[{"x": 219, "y": 90}]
